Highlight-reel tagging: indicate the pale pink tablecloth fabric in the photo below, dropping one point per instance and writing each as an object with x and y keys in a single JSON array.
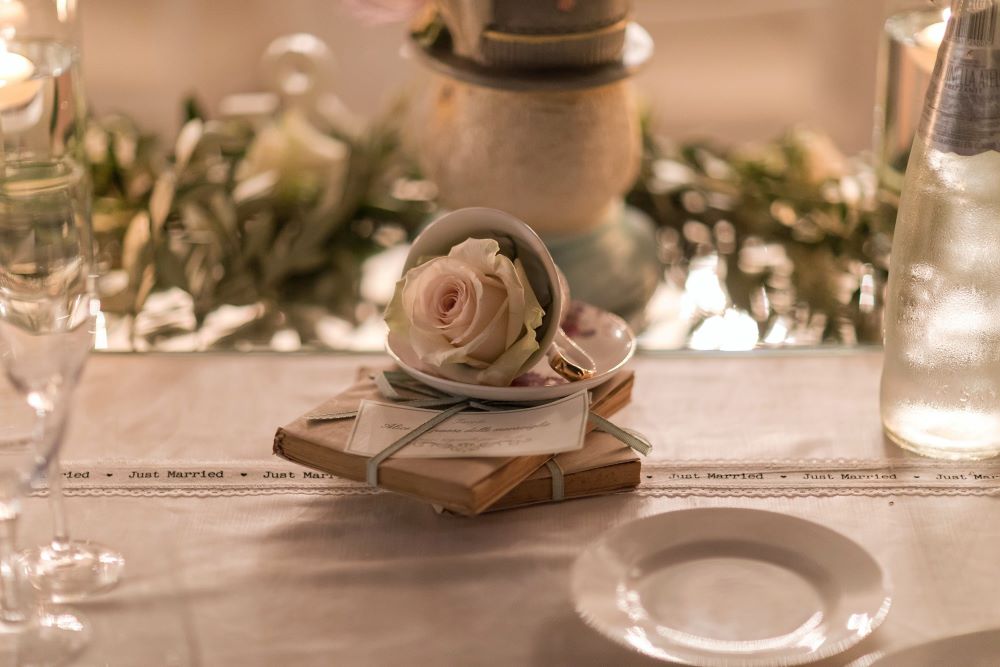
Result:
[{"x": 299, "y": 578}]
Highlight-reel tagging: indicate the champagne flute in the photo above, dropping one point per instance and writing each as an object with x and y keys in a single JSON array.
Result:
[
  {"x": 45, "y": 335},
  {"x": 67, "y": 569},
  {"x": 42, "y": 115}
]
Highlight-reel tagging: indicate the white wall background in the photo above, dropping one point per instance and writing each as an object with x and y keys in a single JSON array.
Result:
[{"x": 733, "y": 69}]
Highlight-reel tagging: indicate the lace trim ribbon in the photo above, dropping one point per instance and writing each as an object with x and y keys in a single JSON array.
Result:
[{"x": 695, "y": 478}]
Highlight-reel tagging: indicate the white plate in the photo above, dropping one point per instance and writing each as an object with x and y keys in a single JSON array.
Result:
[
  {"x": 721, "y": 587},
  {"x": 605, "y": 337},
  {"x": 978, "y": 649}
]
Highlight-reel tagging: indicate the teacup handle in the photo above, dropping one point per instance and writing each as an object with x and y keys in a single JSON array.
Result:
[{"x": 570, "y": 360}]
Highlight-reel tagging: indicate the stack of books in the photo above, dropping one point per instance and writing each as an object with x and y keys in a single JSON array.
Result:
[{"x": 469, "y": 486}]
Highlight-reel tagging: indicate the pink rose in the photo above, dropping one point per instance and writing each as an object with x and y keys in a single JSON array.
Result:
[{"x": 470, "y": 316}]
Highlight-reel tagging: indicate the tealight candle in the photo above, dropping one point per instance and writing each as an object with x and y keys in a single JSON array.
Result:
[
  {"x": 928, "y": 41},
  {"x": 932, "y": 36},
  {"x": 912, "y": 40},
  {"x": 16, "y": 85},
  {"x": 14, "y": 68}
]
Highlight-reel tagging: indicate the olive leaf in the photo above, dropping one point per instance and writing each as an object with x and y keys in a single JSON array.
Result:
[
  {"x": 160, "y": 202},
  {"x": 187, "y": 142},
  {"x": 797, "y": 194},
  {"x": 190, "y": 221}
]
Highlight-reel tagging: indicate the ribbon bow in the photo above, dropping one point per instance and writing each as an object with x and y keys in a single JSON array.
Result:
[{"x": 400, "y": 388}]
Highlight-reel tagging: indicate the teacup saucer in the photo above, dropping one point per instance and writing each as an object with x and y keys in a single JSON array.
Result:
[{"x": 605, "y": 337}]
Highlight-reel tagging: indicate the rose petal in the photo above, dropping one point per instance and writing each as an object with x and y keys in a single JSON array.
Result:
[
  {"x": 482, "y": 255},
  {"x": 395, "y": 314},
  {"x": 448, "y": 300},
  {"x": 491, "y": 297},
  {"x": 534, "y": 314},
  {"x": 503, "y": 371},
  {"x": 507, "y": 273},
  {"x": 436, "y": 351},
  {"x": 491, "y": 343},
  {"x": 463, "y": 319}
]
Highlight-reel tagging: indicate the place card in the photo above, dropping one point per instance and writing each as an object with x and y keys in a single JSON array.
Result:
[{"x": 546, "y": 429}]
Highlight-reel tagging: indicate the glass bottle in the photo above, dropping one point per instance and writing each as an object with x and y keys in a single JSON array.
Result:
[{"x": 941, "y": 379}]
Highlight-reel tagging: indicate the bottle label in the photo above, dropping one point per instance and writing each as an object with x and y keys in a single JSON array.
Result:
[{"x": 962, "y": 114}]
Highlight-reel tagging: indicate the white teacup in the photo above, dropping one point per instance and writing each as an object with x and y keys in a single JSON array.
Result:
[{"x": 517, "y": 240}]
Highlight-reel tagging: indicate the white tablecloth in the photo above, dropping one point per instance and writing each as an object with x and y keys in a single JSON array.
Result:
[{"x": 284, "y": 576}]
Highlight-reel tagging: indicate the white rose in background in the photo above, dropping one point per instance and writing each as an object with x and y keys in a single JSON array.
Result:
[
  {"x": 822, "y": 160},
  {"x": 293, "y": 157},
  {"x": 470, "y": 316}
]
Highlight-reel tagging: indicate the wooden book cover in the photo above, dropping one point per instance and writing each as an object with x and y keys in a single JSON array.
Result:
[
  {"x": 461, "y": 485},
  {"x": 604, "y": 465}
]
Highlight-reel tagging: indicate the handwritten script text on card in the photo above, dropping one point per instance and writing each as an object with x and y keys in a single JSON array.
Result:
[{"x": 547, "y": 429}]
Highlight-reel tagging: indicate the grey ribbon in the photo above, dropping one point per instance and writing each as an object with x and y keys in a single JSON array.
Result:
[
  {"x": 371, "y": 469},
  {"x": 633, "y": 439},
  {"x": 558, "y": 480},
  {"x": 400, "y": 388}
]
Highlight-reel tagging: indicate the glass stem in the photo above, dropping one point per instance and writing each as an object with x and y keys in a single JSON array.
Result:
[
  {"x": 11, "y": 607},
  {"x": 52, "y": 425},
  {"x": 60, "y": 530}
]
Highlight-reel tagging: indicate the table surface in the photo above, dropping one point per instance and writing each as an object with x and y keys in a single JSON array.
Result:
[{"x": 283, "y": 572}]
